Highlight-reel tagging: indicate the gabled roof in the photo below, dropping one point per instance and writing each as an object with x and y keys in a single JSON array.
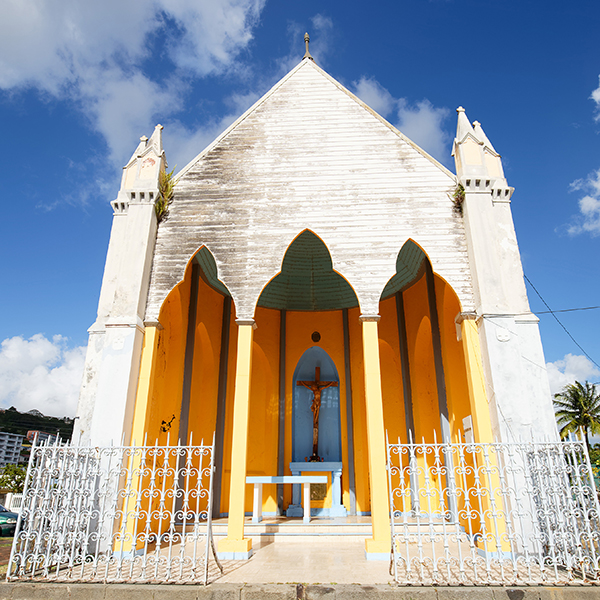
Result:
[{"x": 308, "y": 64}]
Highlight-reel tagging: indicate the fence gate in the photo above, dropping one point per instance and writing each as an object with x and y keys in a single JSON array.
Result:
[
  {"x": 122, "y": 513},
  {"x": 481, "y": 514}
]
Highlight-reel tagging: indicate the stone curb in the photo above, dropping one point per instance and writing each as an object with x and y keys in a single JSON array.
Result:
[{"x": 238, "y": 591}]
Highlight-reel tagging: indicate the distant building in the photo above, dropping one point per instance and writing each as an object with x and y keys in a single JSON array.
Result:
[
  {"x": 10, "y": 448},
  {"x": 42, "y": 436},
  {"x": 35, "y": 412}
]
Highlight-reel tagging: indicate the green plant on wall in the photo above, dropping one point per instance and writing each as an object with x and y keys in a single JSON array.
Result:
[
  {"x": 166, "y": 185},
  {"x": 458, "y": 197}
]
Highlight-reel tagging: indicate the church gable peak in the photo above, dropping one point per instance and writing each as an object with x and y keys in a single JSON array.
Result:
[{"x": 309, "y": 98}]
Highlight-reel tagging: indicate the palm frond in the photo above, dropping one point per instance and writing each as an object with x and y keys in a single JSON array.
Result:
[{"x": 577, "y": 407}]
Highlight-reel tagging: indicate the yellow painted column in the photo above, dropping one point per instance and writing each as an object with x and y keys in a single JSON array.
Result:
[
  {"x": 145, "y": 384},
  {"x": 480, "y": 411},
  {"x": 493, "y": 503},
  {"x": 380, "y": 503},
  {"x": 235, "y": 546},
  {"x": 130, "y": 529}
]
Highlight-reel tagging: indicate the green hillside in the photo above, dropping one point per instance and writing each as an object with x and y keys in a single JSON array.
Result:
[{"x": 13, "y": 421}]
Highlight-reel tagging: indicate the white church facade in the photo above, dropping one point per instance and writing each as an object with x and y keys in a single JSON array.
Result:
[{"x": 313, "y": 242}]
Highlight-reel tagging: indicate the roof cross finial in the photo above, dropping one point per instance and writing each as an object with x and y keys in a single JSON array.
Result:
[{"x": 307, "y": 53}]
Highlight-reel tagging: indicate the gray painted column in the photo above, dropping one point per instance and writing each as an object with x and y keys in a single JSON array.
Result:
[
  {"x": 281, "y": 431},
  {"x": 406, "y": 384},
  {"x": 349, "y": 413},
  {"x": 189, "y": 357},
  {"x": 408, "y": 403},
  {"x": 221, "y": 405},
  {"x": 440, "y": 379},
  {"x": 441, "y": 388}
]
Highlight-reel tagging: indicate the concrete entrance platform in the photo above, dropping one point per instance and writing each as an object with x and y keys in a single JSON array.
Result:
[
  {"x": 328, "y": 550},
  {"x": 306, "y": 562}
]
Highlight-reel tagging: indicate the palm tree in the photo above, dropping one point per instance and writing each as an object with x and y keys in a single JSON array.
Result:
[{"x": 578, "y": 407}]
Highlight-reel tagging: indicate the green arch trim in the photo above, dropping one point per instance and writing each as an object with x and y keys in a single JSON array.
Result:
[
  {"x": 307, "y": 280},
  {"x": 209, "y": 270},
  {"x": 409, "y": 265}
]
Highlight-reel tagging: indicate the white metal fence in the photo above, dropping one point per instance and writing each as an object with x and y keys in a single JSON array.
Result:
[
  {"x": 123, "y": 513},
  {"x": 482, "y": 514}
]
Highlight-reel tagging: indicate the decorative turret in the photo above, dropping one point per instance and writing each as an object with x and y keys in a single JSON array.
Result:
[
  {"x": 478, "y": 165},
  {"x": 113, "y": 357},
  {"x": 139, "y": 182},
  {"x": 513, "y": 360}
]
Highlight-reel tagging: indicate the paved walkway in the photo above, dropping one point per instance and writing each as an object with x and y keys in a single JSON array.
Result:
[
  {"x": 285, "y": 567},
  {"x": 232, "y": 591},
  {"x": 305, "y": 562},
  {"x": 329, "y": 550}
]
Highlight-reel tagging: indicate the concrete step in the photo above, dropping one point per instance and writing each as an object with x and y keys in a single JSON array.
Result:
[
  {"x": 325, "y": 529},
  {"x": 343, "y": 527},
  {"x": 293, "y": 530}
]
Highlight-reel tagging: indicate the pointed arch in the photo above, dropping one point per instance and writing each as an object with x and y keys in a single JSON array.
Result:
[
  {"x": 208, "y": 271},
  {"x": 307, "y": 280},
  {"x": 410, "y": 265}
]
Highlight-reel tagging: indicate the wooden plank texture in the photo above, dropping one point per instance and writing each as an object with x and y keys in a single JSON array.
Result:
[{"x": 309, "y": 155}]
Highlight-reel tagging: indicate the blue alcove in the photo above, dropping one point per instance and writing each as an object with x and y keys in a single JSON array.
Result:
[{"x": 330, "y": 443}]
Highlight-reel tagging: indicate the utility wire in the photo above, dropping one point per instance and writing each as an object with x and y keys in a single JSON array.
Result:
[
  {"x": 558, "y": 321},
  {"x": 546, "y": 312}
]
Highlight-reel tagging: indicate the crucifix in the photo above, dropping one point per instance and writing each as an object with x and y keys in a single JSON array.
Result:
[{"x": 316, "y": 387}]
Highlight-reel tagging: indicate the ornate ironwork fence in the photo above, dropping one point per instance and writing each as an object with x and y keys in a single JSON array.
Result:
[
  {"x": 122, "y": 513},
  {"x": 482, "y": 514}
]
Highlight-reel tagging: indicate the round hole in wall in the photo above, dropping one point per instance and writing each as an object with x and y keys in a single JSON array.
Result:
[{"x": 316, "y": 336}]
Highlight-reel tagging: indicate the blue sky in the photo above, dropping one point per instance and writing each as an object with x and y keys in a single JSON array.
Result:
[{"x": 81, "y": 82}]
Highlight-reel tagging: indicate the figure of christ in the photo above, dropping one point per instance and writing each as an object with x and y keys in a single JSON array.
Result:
[{"x": 316, "y": 387}]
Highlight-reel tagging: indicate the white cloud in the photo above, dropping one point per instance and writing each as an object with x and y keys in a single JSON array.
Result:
[
  {"x": 421, "y": 122},
  {"x": 40, "y": 373},
  {"x": 372, "y": 93},
  {"x": 184, "y": 143},
  {"x": 596, "y": 98},
  {"x": 320, "y": 44},
  {"x": 569, "y": 369},
  {"x": 588, "y": 219},
  {"x": 97, "y": 54},
  {"x": 321, "y": 31}
]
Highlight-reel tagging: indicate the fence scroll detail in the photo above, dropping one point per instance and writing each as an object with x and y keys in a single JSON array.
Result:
[
  {"x": 122, "y": 513},
  {"x": 482, "y": 514}
]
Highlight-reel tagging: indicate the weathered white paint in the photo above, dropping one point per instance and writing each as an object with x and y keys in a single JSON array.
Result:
[
  {"x": 513, "y": 359},
  {"x": 107, "y": 397},
  {"x": 310, "y": 155}
]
